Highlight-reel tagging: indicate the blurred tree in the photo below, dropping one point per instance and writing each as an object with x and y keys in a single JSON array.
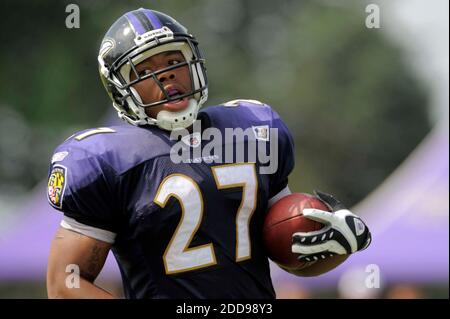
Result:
[{"x": 354, "y": 108}]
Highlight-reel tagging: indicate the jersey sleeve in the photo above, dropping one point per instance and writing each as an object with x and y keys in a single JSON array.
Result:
[
  {"x": 81, "y": 185},
  {"x": 286, "y": 156}
]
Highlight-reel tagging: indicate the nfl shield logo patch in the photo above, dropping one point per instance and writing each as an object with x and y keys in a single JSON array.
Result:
[
  {"x": 193, "y": 140},
  {"x": 56, "y": 185},
  {"x": 261, "y": 132}
]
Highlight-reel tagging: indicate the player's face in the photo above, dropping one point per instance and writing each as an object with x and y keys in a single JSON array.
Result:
[{"x": 175, "y": 81}]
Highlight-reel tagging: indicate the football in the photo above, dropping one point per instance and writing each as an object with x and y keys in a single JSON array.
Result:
[{"x": 283, "y": 219}]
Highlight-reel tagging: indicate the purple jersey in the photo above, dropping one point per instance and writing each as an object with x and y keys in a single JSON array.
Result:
[{"x": 183, "y": 230}]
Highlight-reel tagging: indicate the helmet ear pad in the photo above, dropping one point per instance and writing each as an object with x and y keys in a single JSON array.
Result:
[{"x": 135, "y": 94}]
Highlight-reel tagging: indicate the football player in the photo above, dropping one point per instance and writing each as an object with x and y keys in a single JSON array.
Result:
[{"x": 191, "y": 229}]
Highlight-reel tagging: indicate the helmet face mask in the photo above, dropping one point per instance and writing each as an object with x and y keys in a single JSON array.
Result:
[
  {"x": 124, "y": 69},
  {"x": 123, "y": 48}
]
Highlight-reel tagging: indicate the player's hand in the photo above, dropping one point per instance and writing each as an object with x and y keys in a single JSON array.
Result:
[{"x": 344, "y": 232}]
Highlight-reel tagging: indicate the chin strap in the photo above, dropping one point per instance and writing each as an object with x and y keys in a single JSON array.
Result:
[{"x": 169, "y": 121}]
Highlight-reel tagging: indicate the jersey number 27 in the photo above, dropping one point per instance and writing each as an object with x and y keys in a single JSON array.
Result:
[{"x": 178, "y": 256}]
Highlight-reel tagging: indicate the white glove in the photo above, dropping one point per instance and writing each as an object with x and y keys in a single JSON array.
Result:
[{"x": 344, "y": 232}]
